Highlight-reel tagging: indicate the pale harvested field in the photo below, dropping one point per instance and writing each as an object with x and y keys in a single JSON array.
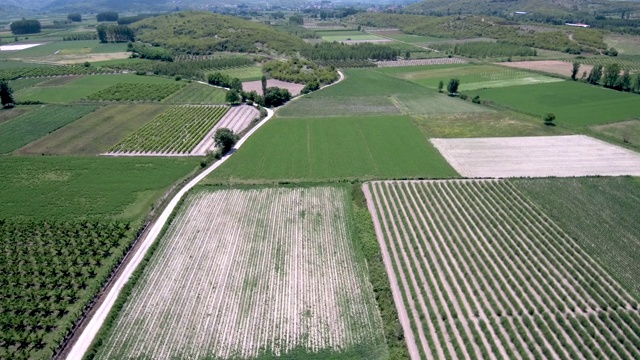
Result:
[
  {"x": 256, "y": 86},
  {"x": 237, "y": 119},
  {"x": 243, "y": 272},
  {"x": 421, "y": 62},
  {"x": 549, "y": 66},
  {"x": 481, "y": 273},
  {"x": 543, "y": 156}
]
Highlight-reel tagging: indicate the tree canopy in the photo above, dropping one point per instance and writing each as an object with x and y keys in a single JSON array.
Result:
[
  {"x": 452, "y": 86},
  {"x": 225, "y": 139},
  {"x": 25, "y": 27},
  {"x": 6, "y": 95}
]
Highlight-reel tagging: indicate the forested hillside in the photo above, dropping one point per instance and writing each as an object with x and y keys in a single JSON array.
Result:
[{"x": 202, "y": 33}]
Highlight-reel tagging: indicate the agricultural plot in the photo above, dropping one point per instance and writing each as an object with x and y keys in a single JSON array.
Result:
[
  {"x": 334, "y": 148},
  {"x": 420, "y": 62},
  {"x": 313, "y": 291},
  {"x": 600, "y": 213},
  {"x": 549, "y": 66},
  {"x": 480, "y": 272},
  {"x": 573, "y": 103},
  {"x": 174, "y": 132},
  {"x": 631, "y": 63},
  {"x": 367, "y": 83},
  {"x": 245, "y": 73},
  {"x": 432, "y": 103},
  {"x": 561, "y": 156},
  {"x": 256, "y": 86},
  {"x": 136, "y": 92},
  {"x": 8, "y": 114},
  {"x": 625, "y": 131},
  {"x": 19, "y": 131},
  {"x": 317, "y": 105},
  {"x": 346, "y": 35},
  {"x": 96, "y": 132},
  {"x": 198, "y": 94},
  {"x": 237, "y": 119}
]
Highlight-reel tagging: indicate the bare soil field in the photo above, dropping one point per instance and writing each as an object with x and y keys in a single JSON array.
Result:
[
  {"x": 549, "y": 66},
  {"x": 256, "y": 86},
  {"x": 484, "y": 274},
  {"x": 421, "y": 62},
  {"x": 537, "y": 156},
  {"x": 241, "y": 273},
  {"x": 237, "y": 119}
]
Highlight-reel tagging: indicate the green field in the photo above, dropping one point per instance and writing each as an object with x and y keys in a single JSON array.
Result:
[
  {"x": 573, "y": 103},
  {"x": 433, "y": 103},
  {"x": 198, "y": 94},
  {"x": 335, "y": 148},
  {"x": 71, "y": 188},
  {"x": 97, "y": 132},
  {"x": 8, "y": 114},
  {"x": 471, "y": 76},
  {"x": 20, "y": 84},
  {"x": 136, "y": 92},
  {"x": 81, "y": 87},
  {"x": 317, "y": 105},
  {"x": 68, "y": 48},
  {"x": 625, "y": 131},
  {"x": 365, "y": 83},
  {"x": 342, "y": 35},
  {"x": 20, "y": 131},
  {"x": 247, "y": 73},
  {"x": 600, "y": 214},
  {"x": 415, "y": 39}
]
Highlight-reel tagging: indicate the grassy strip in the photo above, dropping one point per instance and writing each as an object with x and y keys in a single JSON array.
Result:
[{"x": 367, "y": 242}]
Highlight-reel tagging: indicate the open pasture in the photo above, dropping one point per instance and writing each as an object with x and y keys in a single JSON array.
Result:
[
  {"x": 433, "y": 103},
  {"x": 480, "y": 272},
  {"x": 197, "y": 94},
  {"x": 244, "y": 73},
  {"x": 560, "y": 156},
  {"x": 287, "y": 278},
  {"x": 347, "y": 35},
  {"x": 334, "y": 148},
  {"x": 80, "y": 87},
  {"x": 600, "y": 213},
  {"x": 96, "y": 132},
  {"x": 174, "y": 132},
  {"x": 67, "y": 48},
  {"x": 8, "y": 114},
  {"x": 625, "y": 131},
  {"x": 573, "y": 103},
  {"x": 625, "y": 44},
  {"x": 317, "y": 105},
  {"x": 471, "y": 76},
  {"x": 21, "y": 130}
]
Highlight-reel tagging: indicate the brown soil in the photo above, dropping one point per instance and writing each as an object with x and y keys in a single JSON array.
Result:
[{"x": 549, "y": 66}]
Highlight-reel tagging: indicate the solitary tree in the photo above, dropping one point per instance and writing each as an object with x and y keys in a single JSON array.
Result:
[
  {"x": 452, "y": 86},
  {"x": 225, "y": 139},
  {"x": 549, "y": 119},
  {"x": 574, "y": 70},
  {"x": 440, "y": 86},
  {"x": 264, "y": 85},
  {"x": 6, "y": 97}
]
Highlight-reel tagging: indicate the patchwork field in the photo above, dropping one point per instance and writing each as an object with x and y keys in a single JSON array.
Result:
[
  {"x": 334, "y": 148},
  {"x": 136, "y": 92},
  {"x": 198, "y": 94},
  {"x": 176, "y": 131},
  {"x": 480, "y": 272},
  {"x": 550, "y": 66},
  {"x": 313, "y": 291},
  {"x": 573, "y": 103},
  {"x": 96, "y": 132},
  {"x": 561, "y": 156},
  {"x": 21, "y": 130},
  {"x": 237, "y": 119}
]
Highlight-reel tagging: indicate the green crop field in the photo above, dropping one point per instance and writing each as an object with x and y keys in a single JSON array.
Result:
[
  {"x": 246, "y": 73},
  {"x": 415, "y": 39},
  {"x": 573, "y": 103},
  {"x": 136, "y": 92},
  {"x": 81, "y": 87},
  {"x": 177, "y": 130},
  {"x": 67, "y": 188},
  {"x": 20, "y": 84},
  {"x": 335, "y": 148},
  {"x": 69, "y": 48},
  {"x": 26, "y": 128},
  {"x": 8, "y": 114},
  {"x": 471, "y": 76},
  {"x": 359, "y": 36},
  {"x": 432, "y": 103},
  {"x": 600, "y": 214},
  {"x": 97, "y": 132},
  {"x": 316, "y": 105},
  {"x": 365, "y": 83},
  {"x": 198, "y": 94}
]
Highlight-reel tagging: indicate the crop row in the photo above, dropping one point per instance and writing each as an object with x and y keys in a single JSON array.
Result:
[
  {"x": 343, "y": 64},
  {"x": 285, "y": 277},
  {"x": 177, "y": 130},
  {"x": 487, "y": 276},
  {"x": 46, "y": 71},
  {"x": 625, "y": 64},
  {"x": 136, "y": 92},
  {"x": 421, "y": 62},
  {"x": 46, "y": 270}
]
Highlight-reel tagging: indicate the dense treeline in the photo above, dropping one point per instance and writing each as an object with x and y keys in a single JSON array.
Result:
[
  {"x": 126, "y": 20},
  {"x": 482, "y": 49},
  {"x": 299, "y": 31},
  {"x": 74, "y": 17},
  {"x": 300, "y": 71},
  {"x": 149, "y": 52},
  {"x": 115, "y": 33},
  {"x": 609, "y": 76},
  {"x": 107, "y": 16},
  {"x": 25, "y": 27},
  {"x": 203, "y": 33},
  {"x": 338, "y": 51},
  {"x": 80, "y": 36}
]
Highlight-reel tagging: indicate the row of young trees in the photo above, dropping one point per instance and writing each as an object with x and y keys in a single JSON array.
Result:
[
  {"x": 24, "y": 26},
  {"x": 115, "y": 33},
  {"x": 610, "y": 77},
  {"x": 339, "y": 51}
]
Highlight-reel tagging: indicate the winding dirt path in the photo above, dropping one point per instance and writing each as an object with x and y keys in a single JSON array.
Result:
[{"x": 87, "y": 336}]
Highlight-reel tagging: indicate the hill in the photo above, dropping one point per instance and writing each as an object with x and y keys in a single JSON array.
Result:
[
  {"x": 496, "y": 7},
  {"x": 105, "y": 5},
  {"x": 201, "y": 33}
]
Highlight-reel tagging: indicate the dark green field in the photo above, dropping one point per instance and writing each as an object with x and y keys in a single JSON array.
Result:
[{"x": 335, "y": 148}]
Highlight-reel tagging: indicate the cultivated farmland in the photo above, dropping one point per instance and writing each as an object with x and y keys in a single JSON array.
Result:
[
  {"x": 196, "y": 93},
  {"x": 541, "y": 156},
  {"x": 175, "y": 131},
  {"x": 237, "y": 120},
  {"x": 136, "y": 92},
  {"x": 286, "y": 280},
  {"x": 420, "y": 62},
  {"x": 479, "y": 272}
]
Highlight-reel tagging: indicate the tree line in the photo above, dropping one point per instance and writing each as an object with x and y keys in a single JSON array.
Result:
[
  {"x": 23, "y": 26},
  {"x": 610, "y": 77},
  {"x": 115, "y": 33},
  {"x": 339, "y": 51},
  {"x": 107, "y": 16}
]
